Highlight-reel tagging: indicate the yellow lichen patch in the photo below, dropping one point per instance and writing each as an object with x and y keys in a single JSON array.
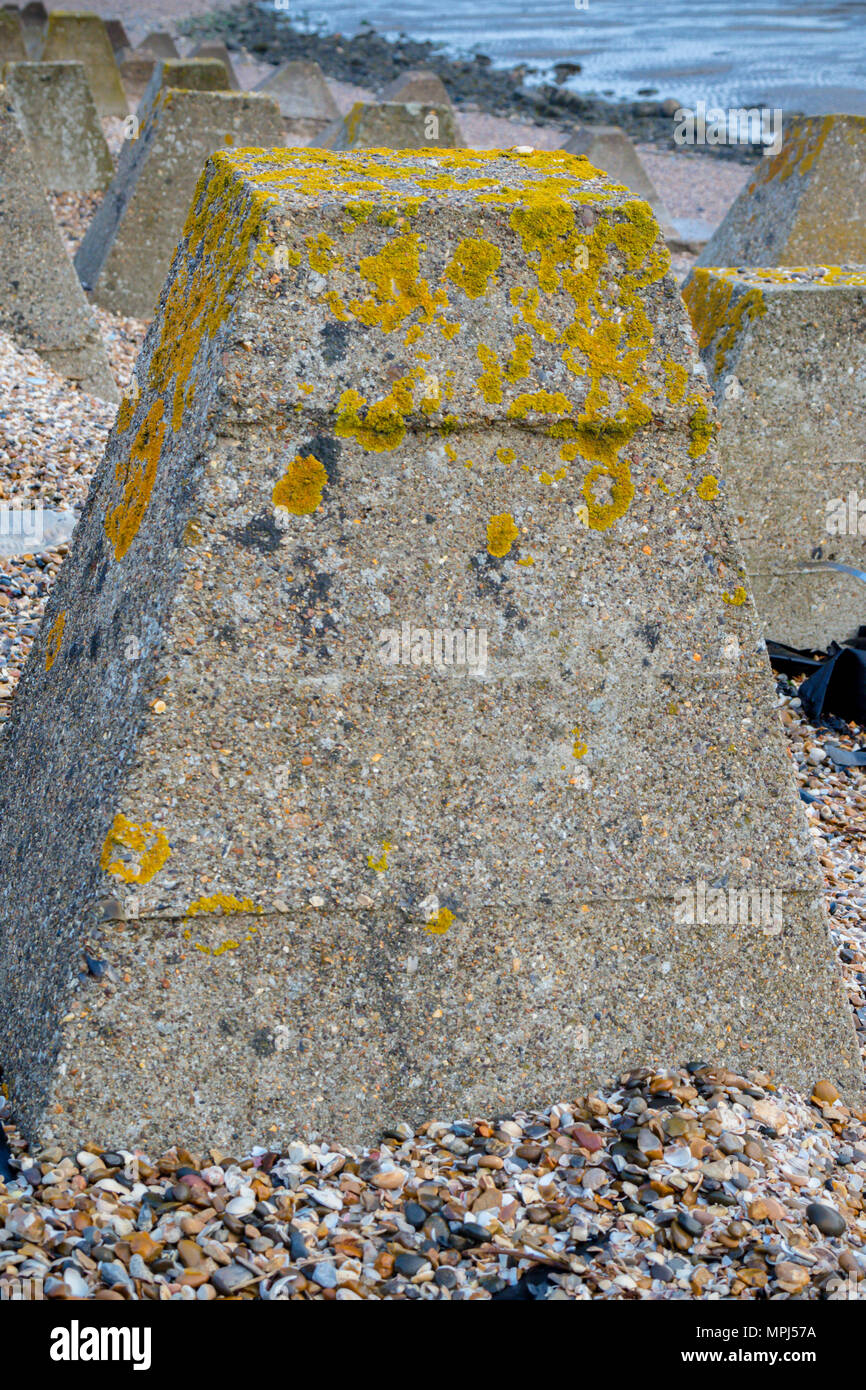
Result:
[
  {"x": 230, "y": 945},
  {"x": 501, "y": 534},
  {"x": 136, "y": 475},
  {"x": 708, "y": 488},
  {"x": 321, "y": 254},
  {"x": 150, "y": 844},
  {"x": 517, "y": 366},
  {"x": 473, "y": 266},
  {"x": 300, "y": 488},
  {"x": 398, "y": 289},
  {"x": 676, "y": 381},
  {"x": 222, "y": 903},
  {"x": 720, "y": 309},
  {"x": 384, "y": 425},
  {"x": 504, "y": 455},
  {"x": 701, "y": 430},
  {"x": 579, "y": 749},
  {"x": 737, "y": 598},
  {"x": 490, "y": 381},
  {"x": 800, "y": 148},
  {"x": 539, "y": 403},
  {"x": 439, "y": 924},
  {"x": 380, "y": 865},
  {"x": 54, "y": 640}
]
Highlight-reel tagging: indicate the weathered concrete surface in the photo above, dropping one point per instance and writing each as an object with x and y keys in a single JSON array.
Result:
[
  {"x": 83, "y": 39},
  {"x": 12, "y": 47},
  {"x": 418, "y": 85},
  {"x": 41, "y": 302},
  {"x": 213, "y": 49},
  {"x": 785, "y": 351},
  {"x": 393, "y": 125},
  {"x": 185, "y": 74},
  {"x": 127, "y": 249},
  {"x": 360, "y": 892},
  {"x": 304, "y": 98},
  {"x": 55, "y": 108},
  {"x": 33, "y": 17},
  {"x": 609, "y": 148},
  {"x": 805, "y": 205},
  {"x": 160, "y": 44}
]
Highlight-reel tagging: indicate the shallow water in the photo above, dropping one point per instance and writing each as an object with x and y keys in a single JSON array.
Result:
[{"x": 798, "y": 56}]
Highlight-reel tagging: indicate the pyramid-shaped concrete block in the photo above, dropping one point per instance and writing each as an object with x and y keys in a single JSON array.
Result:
[
  {"x": 127, "y": 249},
  {"x": 393, "y": 125},
  {"x": 184, "y": 74},
  {"x": 418, "y": 85},
  {"x": 401, "y": 660},
  {"x": 12, "y": 46},
  {"x": 608, "y": 148},
  {"x": 82, "y": 38},
  {"x": 213, "y": 49},
  {"x": 304, "y": 98},
  {"x": 785, "y": 352},
  {"x": 33, "y": 17},
  {"x": 805, "y": 205},
  {"x": 42, "y": 304},
  {"x": 160, "y": 44},
  {"x": 55, "y": 108}
]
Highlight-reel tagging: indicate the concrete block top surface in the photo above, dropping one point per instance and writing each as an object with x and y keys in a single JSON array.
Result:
[{"x": 806, "y": 203}]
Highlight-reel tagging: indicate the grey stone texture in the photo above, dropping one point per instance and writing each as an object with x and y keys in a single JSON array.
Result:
[
  {"x": 393, "y": 125},
  {"x": 41, "y": 302},
  {"x": 83, "y": 39},
  {"x": 55, "y": 108},
  {"x": 12, "y": 47},
  {"x": 304, "y": 98},
  {"x": 805, "y": 205},
  {"x": 127, "y": 249},
  {"x": 609, "y": 149},
  {"x": 418, "y": 85},
  {"x": 354, "y": 892},
  {"x": 213, "y": 49},
  {"x": 785, "y": 352}
]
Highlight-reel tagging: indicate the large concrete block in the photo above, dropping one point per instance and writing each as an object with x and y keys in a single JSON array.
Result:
[
  {"x": 55, "y": 108},
  {"x": 117, "y": 35},
  {"x": 33, "y": 17},
  {"x": 805, "y": 205},
  {"x": 304, "y": 98},
  {"x": 785, "y": 351},
  {"x": 83, "y": 39},
  {"x": 418, "y": 85},
  {"x": 185, "y": 74},
  {"x": 214, "y": 49},
  {"x": 160, "y": 44},
  {"x": 609, "y": 148},
  {"x": 12, "y": 47},
  {"x": 393, "y": 125},
  {"x": 403, "y": 684},
  {"x": 41, "y": 302},
  {"x": 128, "y": 246}
]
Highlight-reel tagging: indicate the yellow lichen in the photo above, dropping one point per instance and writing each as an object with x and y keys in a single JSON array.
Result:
[
  {"x": 380, "y": 865},
  {"x": 300, "y": 488},
  {"x": 54, "y": 640},
  {"x": 144, "y": 840},
  {"x": 737, "y": 598},
  {"x": 701, "y": 430},
  {"x": 222, "y": 903},
  {"x": 440, "y": 923},
  {"x": 501, "y": 534},
  {"x": 473, "y": 266},
  {"x": 384, "y": 425},
  {"x": 676, "y": 381},
  {"x": 490, "y": 381},
  {"x": 136, "y": 473},
  {"x": 708, "y": 488}
]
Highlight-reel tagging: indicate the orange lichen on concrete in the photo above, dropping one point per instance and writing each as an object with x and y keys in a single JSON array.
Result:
[
  {"x": 501, "y": 534},
  {"x": 299, "y": 490},
  {"x": 136, "y": 474},
  {"x": 54, "y": 640}
]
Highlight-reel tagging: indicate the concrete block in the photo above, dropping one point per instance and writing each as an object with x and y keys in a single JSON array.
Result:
[
  {"x": 304, "y": 99},
  {"x": 609, "y": 148},
  {"x": 805, "y": 205},
  {"x": 83, "y": 39},
  {"x": 41, "y": 302},
  {"x": 368, "y": 879},
  {"x": 392, "y": 125},
  {"x": 127, "y": 249},
  {"x": 212, "y": 49},
  {"x": 55, "y": 108},
  {"x": 785, "y": 352}
]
